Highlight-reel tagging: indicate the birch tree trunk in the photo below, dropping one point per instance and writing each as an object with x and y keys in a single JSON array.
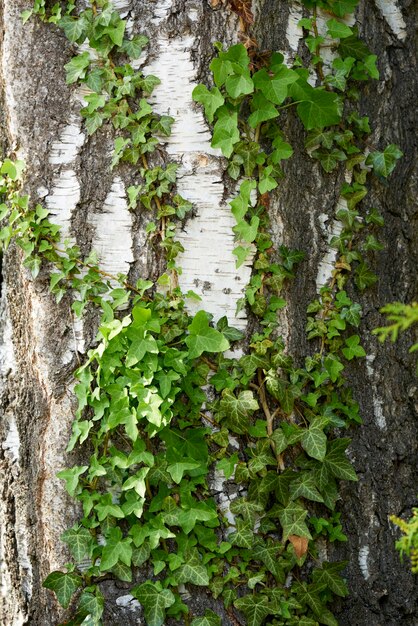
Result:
[{"x": 41, "y": 344}]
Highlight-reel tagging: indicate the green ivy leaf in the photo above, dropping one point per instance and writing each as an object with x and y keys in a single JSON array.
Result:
[
  {"x": 155, "y": 601},
  {"x": 338, "y": 30},
  {"x": 211, "y": 100},
  {"x": 91, "y": 603},
  {"x": 72, "y": 477},
  {"x": 239, "y": 84},
  {"x": 238, "y": 410},
  {"x": 203, "y": 338},
  {"x": 318, "y": 108},
  {"x": 255, "y": 608},
  {"x": 73, "y": 28},
  {"x": 263, "y": 110},
  {"x": 210, "y": 619},
  {"x": 177, "y": 470},
  {"x": 79, "y": 540},
  {"x": 314, "y": 442},
  {"x": 329, "y": 575},
  {"x": 304, "y": 487},
  {"x": 133, "y": 47},
  {"x": 353, "y": 349},
  {"x": 336, "y": 462},
  {"x": 64, "y": 585},
  {"x": 225, "y": 132},
  {"x": 193, "y": 571},
  {"x": 384, "y": 163},
  {"x": 77, "y": 67},
  {"x": 292, "y": 519},
  {"x": 275, "y": 88},
  {"x": 116, "y": 549}
]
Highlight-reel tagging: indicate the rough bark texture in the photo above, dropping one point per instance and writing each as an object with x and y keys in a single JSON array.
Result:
[{"x": 41, "y": 343}]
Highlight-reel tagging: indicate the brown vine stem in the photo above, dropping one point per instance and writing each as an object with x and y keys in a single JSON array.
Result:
[{"x": 318, "y": 47}]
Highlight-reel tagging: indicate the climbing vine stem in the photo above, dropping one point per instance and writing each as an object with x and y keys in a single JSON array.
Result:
[{"x": 160, "y": 449}]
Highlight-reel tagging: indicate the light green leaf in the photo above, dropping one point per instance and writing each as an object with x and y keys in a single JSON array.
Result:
[
  {"x": 77, "y": 67},
  {"x": 239, "y": 84},
  {"x": 338, "y": 30},
  {"x": 263, "y": 110},
  {"x": 211, "y": 100},
  {"x": 225, "y": 132},
  {"x": 353, "y": 349},
  {"x": 72, "y": 477},
  {"x": 116, "y": 549},
  {"x": 177, "y": 470},
  {"x": 203, "y": 338}
]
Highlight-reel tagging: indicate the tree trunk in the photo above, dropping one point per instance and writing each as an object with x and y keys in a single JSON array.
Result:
[{"x": 42, "y": 343}]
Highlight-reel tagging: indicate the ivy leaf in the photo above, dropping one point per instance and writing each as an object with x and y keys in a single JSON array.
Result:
[
  {"x": 314, "y": 442},
  {"x": 329, "y": 575},
  {"x": 249, "y": 152},
  {"x": 282, "y": 150},
  {"x": 342, "y": 7},
  {"x": 155, "y": 601},
  {"x": 193, "y": 571},
  {"x": 231, "y": 333},
  {"x": 338, "y": 30},
  {"x": 353, "y": 349},
  {"x": 353, "y": 47},
  {"x": 238, "y": 410},
  {"x": 243, "y": 536},
  {"x": 275, "y": 88},
  {"x": 245, "y": 231},
  {"x": 364, "y": 276},
  {"x": 210, "y": 619},
  {"x": 77, "y": 67},
  {"x": 79, "y": 541},
  {"x": 225, "y": 132},
  {"x": 64, "y": 585},
  {"x": 133, "y": 47},
  {"x": 116, "y": 549},
  {"x": 263, "y": 110},
  {"x": 72, "y": 477},
  {"x": 177, "y": 470},
  {"x": 227, "y": 465},
  {"x": 254, "y": 607},
  {"x": 292, "y": 519},
  {"x": 268, "y": 553},
  {"x": 304, "y": 487},
  {"x": 337, "y": 463},
  {"x": 72, "y": 27},
  {"x": 211, "y": 100},
  {"x": 91, "y": 604},
  {"x": 203, "y": 338},
  {"x": 239, "y": 84},
  {"x": 384, "y": 163},
  {"x": 318, "y": 108}
]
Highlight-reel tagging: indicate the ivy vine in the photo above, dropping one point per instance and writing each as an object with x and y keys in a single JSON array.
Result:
[{"x": 153, "y": 436}]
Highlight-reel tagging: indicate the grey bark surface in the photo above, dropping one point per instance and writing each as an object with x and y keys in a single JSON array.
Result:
[{"x": 40, "y": 345}]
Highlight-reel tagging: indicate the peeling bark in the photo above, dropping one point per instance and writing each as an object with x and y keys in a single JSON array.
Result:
[{"x": 39, "y": 342}]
